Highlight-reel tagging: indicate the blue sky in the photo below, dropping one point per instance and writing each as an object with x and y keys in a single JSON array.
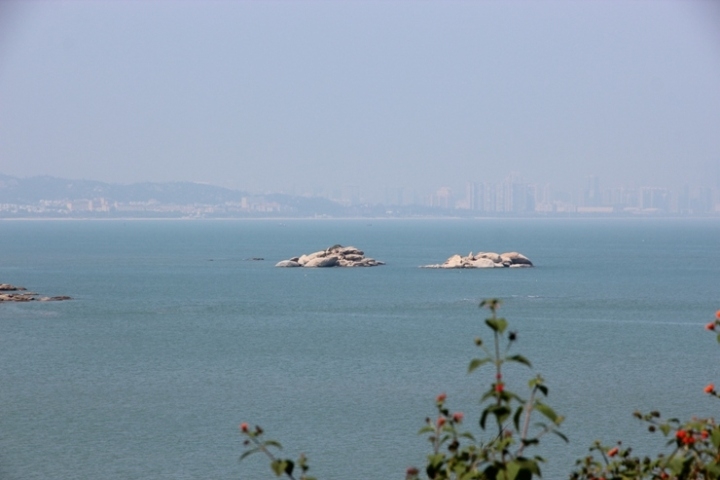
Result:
[{"x": 296, "y": 96}]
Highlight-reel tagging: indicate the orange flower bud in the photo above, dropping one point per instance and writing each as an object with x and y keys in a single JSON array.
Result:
[
  {"x": 244, "y": 427},
  {"x": 458, "y": 417},
  {"x": 710, "y": 326},
  {"x": 441, "y": 398},
  {"x": 499, "y": 387},
  {"x": 613, "y": 451},
  {"x": 440, "y": 421},
  {"x": 709, "y": 388},
  {"x": 717, "y": 314},
  {"x": 704, "y": 434}
]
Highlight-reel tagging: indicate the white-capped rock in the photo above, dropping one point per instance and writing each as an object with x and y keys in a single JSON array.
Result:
[
  {"x": 485, "y": 260},
  {"x": 322, "y": 262},
  {"x": 335, "y": 256},
  {"x": 288, "y": 264}
]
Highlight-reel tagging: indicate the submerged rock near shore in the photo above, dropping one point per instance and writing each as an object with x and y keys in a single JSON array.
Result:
[
  {"x": 485, "y": 260},
  {"x": 20, "y": 294},
  {"x": 335, "y": 256}
]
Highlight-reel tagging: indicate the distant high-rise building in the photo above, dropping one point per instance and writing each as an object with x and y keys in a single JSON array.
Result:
[
  {"x": 443, "y": 198},
  {"x": 591, "y": 195},
  {"x": 654, "y": 198}
]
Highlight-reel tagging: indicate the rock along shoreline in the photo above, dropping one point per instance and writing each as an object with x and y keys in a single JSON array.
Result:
[{"x": 20, "y": 294}]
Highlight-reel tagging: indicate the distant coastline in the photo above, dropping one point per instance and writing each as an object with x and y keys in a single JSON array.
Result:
[
  {"x": 708, "y": 217},
  {"x": 59, "y": 199}
]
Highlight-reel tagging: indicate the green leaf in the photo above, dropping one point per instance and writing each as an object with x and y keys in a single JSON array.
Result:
[
  {"x": 718, "y": 338},
  {"x": 516, "y": 417},
  {"x": 436, "y": 460},
  {"x": 272, "y": 443},
  {"x": 512, "y": 470},
  {"x": 561, "y": 435},
  {"x": 497, "y": 324},
  {"x": 714, "y": 469},
  {"x": 501, "y": 413},
  {"x": 483, "y": 418},
  {"x": 278, "y": 466},
  {"x": 478, "y": 362},
  {"x": 715, "y": 437},
  {"x": 520, "y": 359},
  {"x": 531, "y": 465},
  {"x": 248, "y": 453},
  {"x": 677, "y": 465},
  {"x": 547, "y": 411},
  {"x": 289, "y": 466},
  {"x": 491, "y": 471},
  {"x": 489, "y": 394},
  {"x": 665, "y": 428}
]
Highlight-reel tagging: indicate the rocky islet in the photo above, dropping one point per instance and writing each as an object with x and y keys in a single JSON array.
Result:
[
  {"x": 485, "y": 260},
  {"x": 12, "y": 293},
  {"x": 335, "y": 256},
  {"x": 339, "y": 256}
]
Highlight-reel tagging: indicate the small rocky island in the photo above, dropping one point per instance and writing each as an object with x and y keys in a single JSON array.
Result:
[
  {"x": 335, "y": 256},
  {"x": 20, "y": 294},
  {"x": 485, "y": 260}
]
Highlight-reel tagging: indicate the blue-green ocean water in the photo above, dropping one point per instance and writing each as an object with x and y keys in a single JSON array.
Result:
[{"x": 173, "y": 338}]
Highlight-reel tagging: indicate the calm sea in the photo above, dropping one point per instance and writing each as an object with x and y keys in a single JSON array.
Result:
[{"x": 174, "y": 337}]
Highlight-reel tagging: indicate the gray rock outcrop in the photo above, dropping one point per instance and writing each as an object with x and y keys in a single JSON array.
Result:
[
  {"x": 485, "y": 260},
  {"x": 25, "y": 296},
  {"x": 335, "y": 256}
]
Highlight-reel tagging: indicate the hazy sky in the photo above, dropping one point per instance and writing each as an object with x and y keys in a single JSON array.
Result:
[{"x": 299, "y": 94}]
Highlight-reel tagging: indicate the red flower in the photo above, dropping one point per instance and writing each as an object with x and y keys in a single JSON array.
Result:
[
  {"x": 709, "y": 388},
  {"x": 717, "y": 314},
  {"x": 689, "y": 440},
  {"x": 411, "y": 471},
  {"x": 680, "y": 434},
  {"x": 244, "y": 427},
  {"x": 710, "y": 326},
  {"x": 440, "y": 421},
  {"x": 458, "y": 417},
  {"x": 498, "y": 376},
  {"x": 499, "y": 387},
  {"x": 441, "y": 398},
  {"x": 704, "y": 434},
  {"x": 613, "y": 451}
]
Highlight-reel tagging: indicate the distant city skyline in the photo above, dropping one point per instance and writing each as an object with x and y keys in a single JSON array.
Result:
[
  {"x": 55, "y": 197},
  {"x": 373, "y": 96}
]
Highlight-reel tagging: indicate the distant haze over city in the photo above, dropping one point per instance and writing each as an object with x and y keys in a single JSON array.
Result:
[
  {"x": 49, "y": 197},
  {"x": 383, "y": 101}
]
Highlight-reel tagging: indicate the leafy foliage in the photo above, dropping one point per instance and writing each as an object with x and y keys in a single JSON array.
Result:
[{"x": 499, "y": 450}]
